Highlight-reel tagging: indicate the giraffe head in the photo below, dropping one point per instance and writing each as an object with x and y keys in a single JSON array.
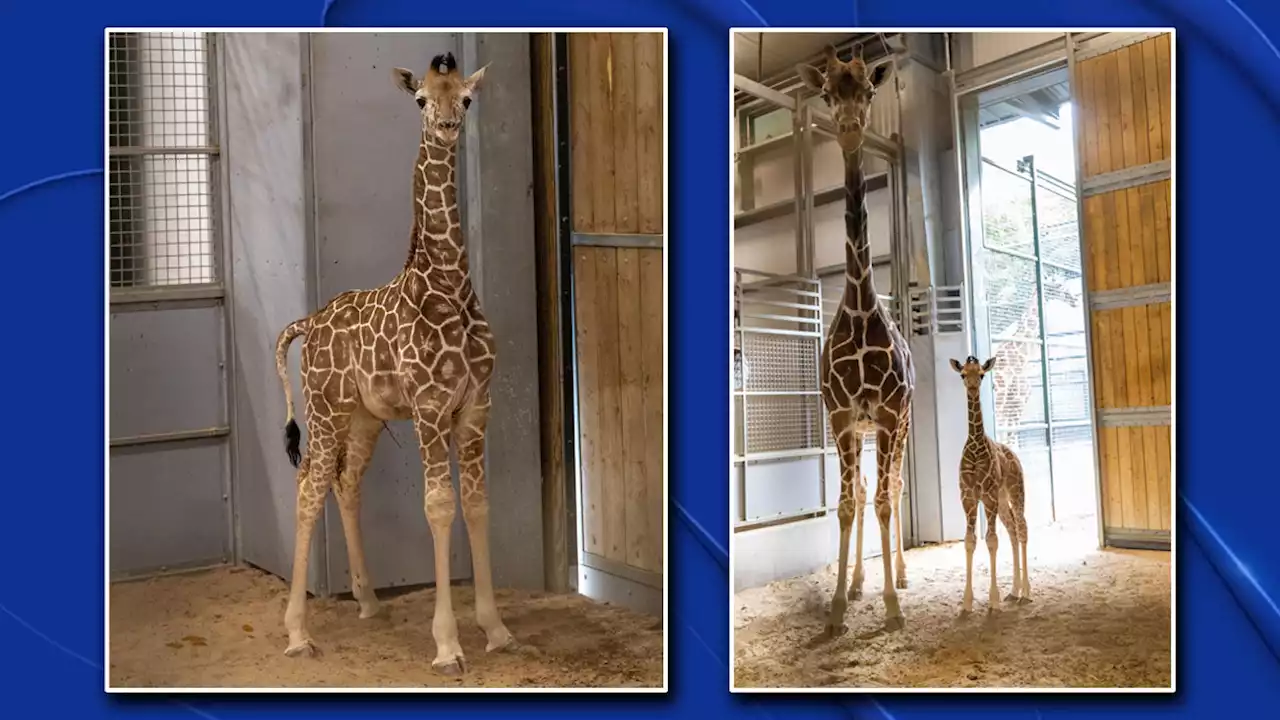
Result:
[
  {"x": 442, "y": 94},
  {"x": 847, "y": 88},
  {"x": 972, "y": 371}
]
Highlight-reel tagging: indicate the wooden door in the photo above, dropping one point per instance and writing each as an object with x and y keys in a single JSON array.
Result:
[
  {"x": 1123, "y": 101},
  {"x": 616, "y": 124}
]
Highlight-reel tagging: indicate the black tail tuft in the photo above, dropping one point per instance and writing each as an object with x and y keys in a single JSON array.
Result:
[{"x": 292, "y": 442}]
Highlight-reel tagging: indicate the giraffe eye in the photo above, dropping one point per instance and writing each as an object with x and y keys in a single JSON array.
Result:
[
  {"x": 466, "y": 102},
  {"x": 422, "y": 102}
]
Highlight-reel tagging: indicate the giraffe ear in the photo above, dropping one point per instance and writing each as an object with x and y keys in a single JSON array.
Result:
[
  {"x": 477, "y": 78},
  {"x": 811, "y": 76},
  {"x": 405, "y": 80},
  {"x": 878, "y": 74},
  {"x": 986, "y": 366},
  {"x": 955, "y": 365}
]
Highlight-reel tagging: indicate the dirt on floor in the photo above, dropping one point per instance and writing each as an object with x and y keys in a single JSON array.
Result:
[
  {"x": 225, "y": 628},
  {"x": 1098, "y": 619}
]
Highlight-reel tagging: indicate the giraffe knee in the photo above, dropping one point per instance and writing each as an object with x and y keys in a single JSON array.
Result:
[
  {"x": 884, "y": 510},
  {"x": 440, "y": 505},
  {"x": 475, "y": 509}
]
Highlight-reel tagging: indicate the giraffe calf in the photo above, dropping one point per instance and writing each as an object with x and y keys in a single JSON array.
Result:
[{"x": 990, "y": 473}]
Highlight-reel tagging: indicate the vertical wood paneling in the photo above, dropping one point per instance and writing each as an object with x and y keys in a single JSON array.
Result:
[
  {"x": 649, "y": 132},
  {"x": 652, "y": 332},
  {"x": 589, "y": 402},
  {"x": 620, "y": 380},
  {"x": 616, "y": 129},
  {"x": 1124, "y": 114}
]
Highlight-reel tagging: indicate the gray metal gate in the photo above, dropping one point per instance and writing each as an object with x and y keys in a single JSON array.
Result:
[{"x": 169, "y": 422}]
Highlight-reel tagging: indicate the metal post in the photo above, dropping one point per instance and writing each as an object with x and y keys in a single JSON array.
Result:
[
  {"x": 1029, "y": 164},
  {"x": 1084, "y": 277},
  {"x": 742, "y": 343},
  {"x": 962, "y": 185},
  {"x": 798, "y": 179}
]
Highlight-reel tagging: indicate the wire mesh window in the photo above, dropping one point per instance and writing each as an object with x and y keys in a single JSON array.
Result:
[{"x": 163, "y": 160}]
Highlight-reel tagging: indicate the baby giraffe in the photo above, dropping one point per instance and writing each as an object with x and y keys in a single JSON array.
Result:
[{"x": 990, "y": 472}]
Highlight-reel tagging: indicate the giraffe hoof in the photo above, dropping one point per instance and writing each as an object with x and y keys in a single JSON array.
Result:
[
  {"x": 304, "y": 648},
  {"x": 375, "y": 612},
  {"x": 855, "y": 593},
  {"x": 836, "y": 629},
  {"x": 1024, "y": 600},
  {"x": 1011, "y": 598},
  {"x": 900, "y": 583},
  {"x": 452, "y": 668},
  {"x": 894, "y": 623},
  {"x": 500, "y": 641}
]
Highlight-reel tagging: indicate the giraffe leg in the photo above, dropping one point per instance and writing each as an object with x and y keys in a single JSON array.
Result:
[
  {"x": 989, "y": 506},
  {"x": 362, "y": 438},
  {"x": 439, "y": 503},
  {"x": 893, "y": 619},
  {"x": 469, "y": 428},
  {"x": 970, "y": 543},
  {"x": 1006, "y": 519},
  {"x": 314, "y": 478},
  {"x": 859, "y": 516},
  {"x": 899, "y": 452},
  {"x": 846, "y": 443}
]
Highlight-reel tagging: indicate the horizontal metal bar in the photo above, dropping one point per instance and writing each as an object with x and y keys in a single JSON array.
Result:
[
  {"x": 1031, "y": 258},
  {"x": 1135, "y": 416},
  {"x": 1137, "y": 539},
  {"x": 764, "y": 92},
  {"x": 779, "y": 303},
  {"x": 1126, "y": 178},
  {"x": 1110, "y": 42},
  {"x": 785, "y": 318},
  {"x": 166, "y": 293},
  {"x": 171, "y": 437},
  {"x": 1130, "y": 296},
  {"x": 783, "y": 208},
  {"x": 127, "y": 151},
  {"x": 748, "y": 288},
  {"x": 773, "y": 278},
  {"x": 772, "y": 455},
  {"x": 772, "y": 331},
  {"x": 1016, "y": 66},
  {"x": 617, "y": 240},
  {"x": 622, "y": 570},
  {"x": 776, "y": 393},
  {"x": 779, "y": 517}
]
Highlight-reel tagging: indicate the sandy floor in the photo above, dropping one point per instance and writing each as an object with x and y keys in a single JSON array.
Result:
[
  {"x": 1097, "y": 619},
  {"x": 225, "y": 628}
]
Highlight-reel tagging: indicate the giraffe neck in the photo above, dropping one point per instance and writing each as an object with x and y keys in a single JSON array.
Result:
[
  {"x": 860, "y": 289},
  {"x": 437, "y": 246},
  {"x": 976, "y": 431}
]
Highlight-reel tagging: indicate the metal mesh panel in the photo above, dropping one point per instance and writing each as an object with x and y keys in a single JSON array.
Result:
[
  {"x": 161, "y": 191},
  {"x": 1056, "y": 220},
  {"x": 1069, "y": 382},
  {"x": 1012, "y": 308},
  {"x": 1017, "y": 384},
  {"x": 1006, "y": 210},
  {"x": 781, "y": 363},
  {"x": 779, "y": 423}
]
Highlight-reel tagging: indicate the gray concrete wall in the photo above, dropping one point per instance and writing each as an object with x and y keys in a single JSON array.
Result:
[
  {"x": 321, "y": 146},
  {"x": 365, "y": 134},
  {"x": 498, "y": 156},
  {"x": 267, "y": 228}
]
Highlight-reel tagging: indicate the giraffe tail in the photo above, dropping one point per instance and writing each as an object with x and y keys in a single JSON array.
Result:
[{"x": 292, "y": 435}]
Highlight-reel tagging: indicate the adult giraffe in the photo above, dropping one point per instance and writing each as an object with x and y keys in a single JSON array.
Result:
[{"x": 867, "y": 375}]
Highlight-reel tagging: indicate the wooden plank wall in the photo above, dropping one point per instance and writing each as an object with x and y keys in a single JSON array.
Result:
[
  {"x": 1124, "y": 108},
  {"x": 616, "y": 128}
]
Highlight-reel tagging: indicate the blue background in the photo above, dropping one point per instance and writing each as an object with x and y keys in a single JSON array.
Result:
[{"x": 51, "y": 216}]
